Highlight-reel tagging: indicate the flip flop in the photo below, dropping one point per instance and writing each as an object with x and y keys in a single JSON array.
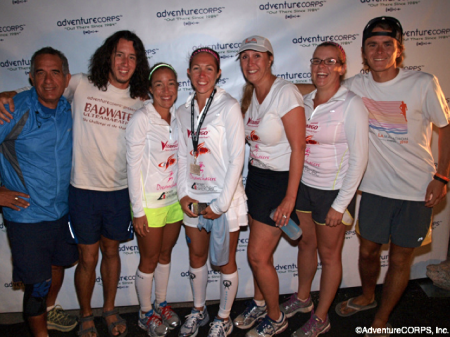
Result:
[{"x": 357, "y": 308}]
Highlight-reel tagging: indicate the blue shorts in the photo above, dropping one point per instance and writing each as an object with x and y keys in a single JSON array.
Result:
[
  {"x": 96, "y": 213},
  {"x": 404, "y": 222},
  {"x": 35, "y": 247}
]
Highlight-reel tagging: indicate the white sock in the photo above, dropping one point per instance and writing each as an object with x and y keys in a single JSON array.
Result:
[
  {"x": 199, "y": 280},
  {"x": 50, "y": 307},
  {"x": 260, "y": 303},
  {"x": 228, "y": 289},
  {"x": 161, "y": 273},
  {"x": 143, "y": 283}
]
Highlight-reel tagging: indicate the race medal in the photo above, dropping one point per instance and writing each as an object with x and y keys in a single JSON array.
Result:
[{"x": 195, "y": 169}]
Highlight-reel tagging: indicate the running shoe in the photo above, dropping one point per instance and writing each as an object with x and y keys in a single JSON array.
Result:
[
  {"x": 58, "y": 319},
  {"x": 168, "y": 316},
  {"x": 294, "y": 305},
  {"x": 313, "y": 327},
  {"x": 153, "y": 324},
  {"x": 268, "y": 327},
  {"x": 220, "y": 328},
  {"x": 250, "y": 316},
  {"x": 193, "y": 321}
]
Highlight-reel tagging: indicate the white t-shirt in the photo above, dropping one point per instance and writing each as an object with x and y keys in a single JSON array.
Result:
[
  {"x": 221, "y": 148},
  {"x": 264, "y": 130},
  {"x": 99, "y": 122},
  {"x": 401, "y": 113},
  {"x": 337, "y": 137},
  {"x": 152, "y": 167}
]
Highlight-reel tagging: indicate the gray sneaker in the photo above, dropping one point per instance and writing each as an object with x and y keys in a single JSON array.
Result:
[
  {"x": 153, "y": 324},
  {"x": 294, "y": 305},
  {"x": 58, "y": 319},
  {"x": 168, "y": 316},
  {"x": 314, "y": 327},
  {"x": 220, "y": 328},
  {"x": 250, "y": 316},
  {"x": 268, "y": 327},
  {"x": 193, "y": 321}
]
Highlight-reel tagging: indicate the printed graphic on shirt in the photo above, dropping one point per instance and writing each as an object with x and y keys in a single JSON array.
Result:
[
  {"x": 166, "y": 146},
  {"x": 202, "y": 176},
  {"x": 252, "y": 136},
  {"x": 310, "y": 140},
  {"x": 168, "y": 195},
  {"x": 203, "y": 187},
  {"x": 387, "y": 116},
  {"x": 203, "y": 133},
  {"x": 169, "y": 162},
  {"x": 254, "y": 153},
  {"x": 201, "y": 149},
  {"x": 106, "y": 113},
  {"x": 253, "y": 123}
]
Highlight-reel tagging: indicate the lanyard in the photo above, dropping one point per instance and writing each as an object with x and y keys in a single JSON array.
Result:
[{"x": 196, "y": 135}]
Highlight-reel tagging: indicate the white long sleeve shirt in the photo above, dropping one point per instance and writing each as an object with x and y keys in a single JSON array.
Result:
[
  {"x": 221, "y": 150},
  {"x": 152, "y": 167},
  {"x": 337, "y": 137}
]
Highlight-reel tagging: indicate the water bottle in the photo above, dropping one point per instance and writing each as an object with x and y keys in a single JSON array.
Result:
[{"x": 291, "y": 229}]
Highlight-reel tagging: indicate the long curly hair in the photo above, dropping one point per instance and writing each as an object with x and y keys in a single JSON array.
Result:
[{"x": 100, "y": 64}]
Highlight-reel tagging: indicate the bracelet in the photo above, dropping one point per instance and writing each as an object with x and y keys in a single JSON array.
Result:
[
  {"x": 436, "y": 177},
  {"x": 442, "y": 177}
]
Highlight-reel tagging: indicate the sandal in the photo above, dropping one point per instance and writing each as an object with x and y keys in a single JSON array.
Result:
[
  {"x": 355, "y": 307},
  {"x": 87, "y": 331},
  {"x": 120, "y": 321}
]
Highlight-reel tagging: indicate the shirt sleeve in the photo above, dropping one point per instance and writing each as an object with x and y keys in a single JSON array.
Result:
[
  {"x": 73, "y": 84},
  {"x": 23, "y": 89},
  {"x": 235, "y": 136},
  {"x": 356, "y": 127},
  {"x": 6, "y": 128},
  {"x": 348, "y": 82},
  {"x": 288, "y": 98},
  {"x": 135, "y": 139},
  {"x": 434, "y": 105},
  {"x": 182, "y": 160}
]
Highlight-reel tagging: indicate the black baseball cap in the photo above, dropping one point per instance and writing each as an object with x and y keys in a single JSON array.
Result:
[{"x": 395, "y": 26}]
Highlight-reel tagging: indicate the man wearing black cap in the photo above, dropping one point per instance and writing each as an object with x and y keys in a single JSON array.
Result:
[{"x": 401, "y": 184}]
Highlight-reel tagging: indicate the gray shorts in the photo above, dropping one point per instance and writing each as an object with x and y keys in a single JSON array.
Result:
[{"x": 404, "y": 222}]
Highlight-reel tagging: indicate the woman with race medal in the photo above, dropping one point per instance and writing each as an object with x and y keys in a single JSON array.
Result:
[
  {"x": 152, "y": 146},
  {"x": 275, "y": 130},
  {"x": 211, "y": 158}
]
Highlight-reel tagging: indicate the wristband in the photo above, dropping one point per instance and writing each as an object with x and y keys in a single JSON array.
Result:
[
  {"x": 443, "y": 177},
  {"x": 444, "y": 181}
]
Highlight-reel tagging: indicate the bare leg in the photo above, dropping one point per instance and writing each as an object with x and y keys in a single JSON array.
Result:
[
  {"x": 396, "y": 280},
  {"x": 257, "y": 294},
  {"x": 369, "y": 269},
  {"x": 330, "y": 241},
  {"x": 57, "y": 280},
  {"x": 149, "y": 249},
  {"x": 170, "y": 237},
  {"x": 110, "y": 271},
  {"x": 85, "y": 279},
  {"x": 38, "y": 325},
  {"x": 307, "y": 255},
  {"x": 262, "y": 243}
]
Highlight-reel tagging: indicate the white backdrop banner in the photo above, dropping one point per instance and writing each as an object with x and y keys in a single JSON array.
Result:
[{"x": 170, "y": 30}]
